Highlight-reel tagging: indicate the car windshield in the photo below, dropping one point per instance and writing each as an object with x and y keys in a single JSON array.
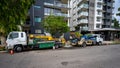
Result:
[{"x": 13, "y": 35}]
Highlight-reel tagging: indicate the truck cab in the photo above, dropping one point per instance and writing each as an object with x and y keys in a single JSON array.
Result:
[
  {"x": 97, "y": 39},
  {"x": 19, "y": 41},
  {"x": 16, "y": 40},
  {"x": 91, "y": 39}
]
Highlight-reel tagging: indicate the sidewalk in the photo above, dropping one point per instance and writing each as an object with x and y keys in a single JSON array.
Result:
[
  {"x": 2, "y": 51},
  {"x": 108, "y": 42}
]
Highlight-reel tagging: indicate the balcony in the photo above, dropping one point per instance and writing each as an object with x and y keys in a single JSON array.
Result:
[
  {"x": 48, "y": 4},
  {"x": 103, "y": 17},
  {"x": 58, "y": 14},
  {"x": 61, "y": 5},
  {"x": 100, "y": 16},
  {"x": 113, "y": 7},
  {"x": 83, "y": 14},
  {"x": 100, "y": 1},
  {"x": 109, "y": 17},
  {"x": 83, "y": 22},
  {"x": 82, "y": 1},
  {"x": 56, "y": 5},
  {"x": 104, "y": 10},
  {"x": 109, "y": 10},
  {"x": 99, "y": 7},
  {"x": 61, "y": 14},
  {"x": 109, "y": 4},
  {"x": 83, "y": 7},
  {"x": 84, "y": 29}
]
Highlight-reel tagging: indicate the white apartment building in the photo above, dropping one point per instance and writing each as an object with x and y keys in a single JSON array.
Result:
[{"x": 89, "y": 15}]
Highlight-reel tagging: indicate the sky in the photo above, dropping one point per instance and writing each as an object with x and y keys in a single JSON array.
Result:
[{"x": 116, "y": 5}]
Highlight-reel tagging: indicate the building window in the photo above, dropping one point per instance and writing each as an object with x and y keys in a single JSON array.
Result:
[
  {"x": 99, "y": 12},
  {"x": 37, "y": 19},
  {"x": 91, "y": 4},
  {"x": 97, "y": 25},
  {"x": 99, "y": 5},
  {"x": 98, "y": 19},
  {"x": 38, "y": 31},
  {"x": 49, "y": 11},
  {"x": 37, "y": 6}
]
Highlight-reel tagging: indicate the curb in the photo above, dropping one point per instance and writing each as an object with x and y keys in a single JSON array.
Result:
[
  {"x": 2, "y": 51},
  {"x": 110, "y": 43}
]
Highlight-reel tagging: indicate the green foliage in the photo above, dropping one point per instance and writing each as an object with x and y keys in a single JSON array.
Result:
[
  {"x": 118, "y": 14},
  {"x": 2, "y": 48},
  {"x": 55, "y": 24},
  {"x": 78, "y": 34},
  {"x": 116, "y": 23},
  {"x": 12, "y": 12}
]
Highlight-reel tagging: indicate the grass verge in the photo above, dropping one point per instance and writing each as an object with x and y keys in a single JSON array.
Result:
[{"x": 2, "y": 48}]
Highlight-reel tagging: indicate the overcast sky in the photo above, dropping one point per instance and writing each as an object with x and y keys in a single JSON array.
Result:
[{"x": 116, "y": 5}]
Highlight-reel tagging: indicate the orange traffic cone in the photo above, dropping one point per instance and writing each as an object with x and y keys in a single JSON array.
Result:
[{"x": 11, "y": 52}]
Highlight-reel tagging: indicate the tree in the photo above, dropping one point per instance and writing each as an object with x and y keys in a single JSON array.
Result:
[
  {"x": 55, "y": 24},
  {"x": 12, "y": 12},
  {"x": 118, "y": 14},
  {"x": 116, "y": 23},
  {"x": 78, "y": 34}
]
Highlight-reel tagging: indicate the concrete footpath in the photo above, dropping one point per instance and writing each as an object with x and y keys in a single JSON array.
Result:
[{"x": 108, "y": 42}]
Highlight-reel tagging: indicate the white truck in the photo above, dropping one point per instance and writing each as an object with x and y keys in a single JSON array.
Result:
[
  {"x": 87, "y": 39},
  {"x": 97, "y": 39},
  {"x": 19, "y": 41}
]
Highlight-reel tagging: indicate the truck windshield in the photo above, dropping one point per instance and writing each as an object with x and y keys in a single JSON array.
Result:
[{"x": 13, "y": 35}]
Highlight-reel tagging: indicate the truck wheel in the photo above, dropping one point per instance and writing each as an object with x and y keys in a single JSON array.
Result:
[
  {"x": 56, "y": 46},
  {"x": 100, "y": 43},
  {"x": 18, "y": 48},
  {"x": 53, "y": 47},
  {"x": 84, "y": 44}
]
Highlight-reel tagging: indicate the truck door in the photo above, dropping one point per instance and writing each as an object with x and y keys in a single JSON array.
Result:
[
  {"x": 23, "y": 38},
  {"x": 12, "y": 39}
]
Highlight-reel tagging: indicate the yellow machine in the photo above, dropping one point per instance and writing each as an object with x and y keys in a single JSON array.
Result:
[
  {"x": 84, "y": 42},
  {"x": 48, "y": 38}
]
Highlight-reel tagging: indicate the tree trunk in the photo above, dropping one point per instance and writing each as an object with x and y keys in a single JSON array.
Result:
[{"x": 3, "y": 40}]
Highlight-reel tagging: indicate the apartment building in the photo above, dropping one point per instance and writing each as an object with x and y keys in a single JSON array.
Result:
[
  {"x": 93, "y": 16},
  {"x": 43, "y": 8},
  {"x": 89, "y": 15}
]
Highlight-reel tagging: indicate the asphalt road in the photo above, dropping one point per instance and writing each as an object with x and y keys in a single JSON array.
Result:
[{"x": 107, "y": 56}]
